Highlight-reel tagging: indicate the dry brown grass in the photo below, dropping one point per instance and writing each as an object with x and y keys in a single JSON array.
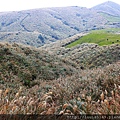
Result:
[
  {"x": 79, "y": 94},
  {"x": 50, "y": 103},
  {"x": 86, "y": 91}
]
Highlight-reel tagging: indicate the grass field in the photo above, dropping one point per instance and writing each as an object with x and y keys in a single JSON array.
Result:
[{"x": 100, "y": 37}]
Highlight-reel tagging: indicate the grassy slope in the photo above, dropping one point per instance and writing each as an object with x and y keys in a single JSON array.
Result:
[
  {"x": 88, "y": 92},
  {"x": 26, "y": 65},
  {"x": 79, "y": 93},
  {"x": 100, "y": 37},
  {"x": 92, "y": 55}
]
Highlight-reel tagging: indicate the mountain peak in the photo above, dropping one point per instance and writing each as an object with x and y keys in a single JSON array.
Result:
[
  {"x": 108, "y": 7},
  {"x": 110, "y": 3}
]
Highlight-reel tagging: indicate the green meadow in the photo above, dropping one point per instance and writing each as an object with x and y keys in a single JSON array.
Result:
[{"x": 100, "y": 37}]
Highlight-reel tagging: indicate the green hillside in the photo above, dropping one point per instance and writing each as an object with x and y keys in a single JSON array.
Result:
[{"x": 100, "y": 37}]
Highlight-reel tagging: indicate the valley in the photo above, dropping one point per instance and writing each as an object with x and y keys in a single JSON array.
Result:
[{"x": 60, "y": 61}]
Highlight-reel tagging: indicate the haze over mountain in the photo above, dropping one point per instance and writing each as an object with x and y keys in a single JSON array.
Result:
[{"x": 39, "y": 26}]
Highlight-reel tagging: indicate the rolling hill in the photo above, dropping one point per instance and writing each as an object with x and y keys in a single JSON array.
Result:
[
  {"x": 77, "y": 72},
  {"x": 40, "y": 26},
  {"x": 100, "y": 37},
  {"x": 97, "y": 48},
  {"x": 35, "y": 81},
  {"x": 25, "y": 65}
]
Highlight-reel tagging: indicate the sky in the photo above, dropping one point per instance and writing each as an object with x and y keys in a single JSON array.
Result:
[{"x": 18, "y": 5}]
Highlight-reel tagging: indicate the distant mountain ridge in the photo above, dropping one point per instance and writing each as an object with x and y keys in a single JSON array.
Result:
[
  {"x": 108, "y": 7},
  {"x": 40, "y": 26}
]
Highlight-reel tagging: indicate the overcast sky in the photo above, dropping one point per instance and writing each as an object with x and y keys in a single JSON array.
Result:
[{"x": 17, "y": 5}]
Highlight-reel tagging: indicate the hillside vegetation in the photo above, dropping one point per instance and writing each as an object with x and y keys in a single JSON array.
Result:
[
  {"x": 111, "y": 18},
  {"x": 40, "y": 26},
  {"x": 26, "y": 65},
  {"x": 79, "y": 74},
  {"x": 85, "y": 91}
]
